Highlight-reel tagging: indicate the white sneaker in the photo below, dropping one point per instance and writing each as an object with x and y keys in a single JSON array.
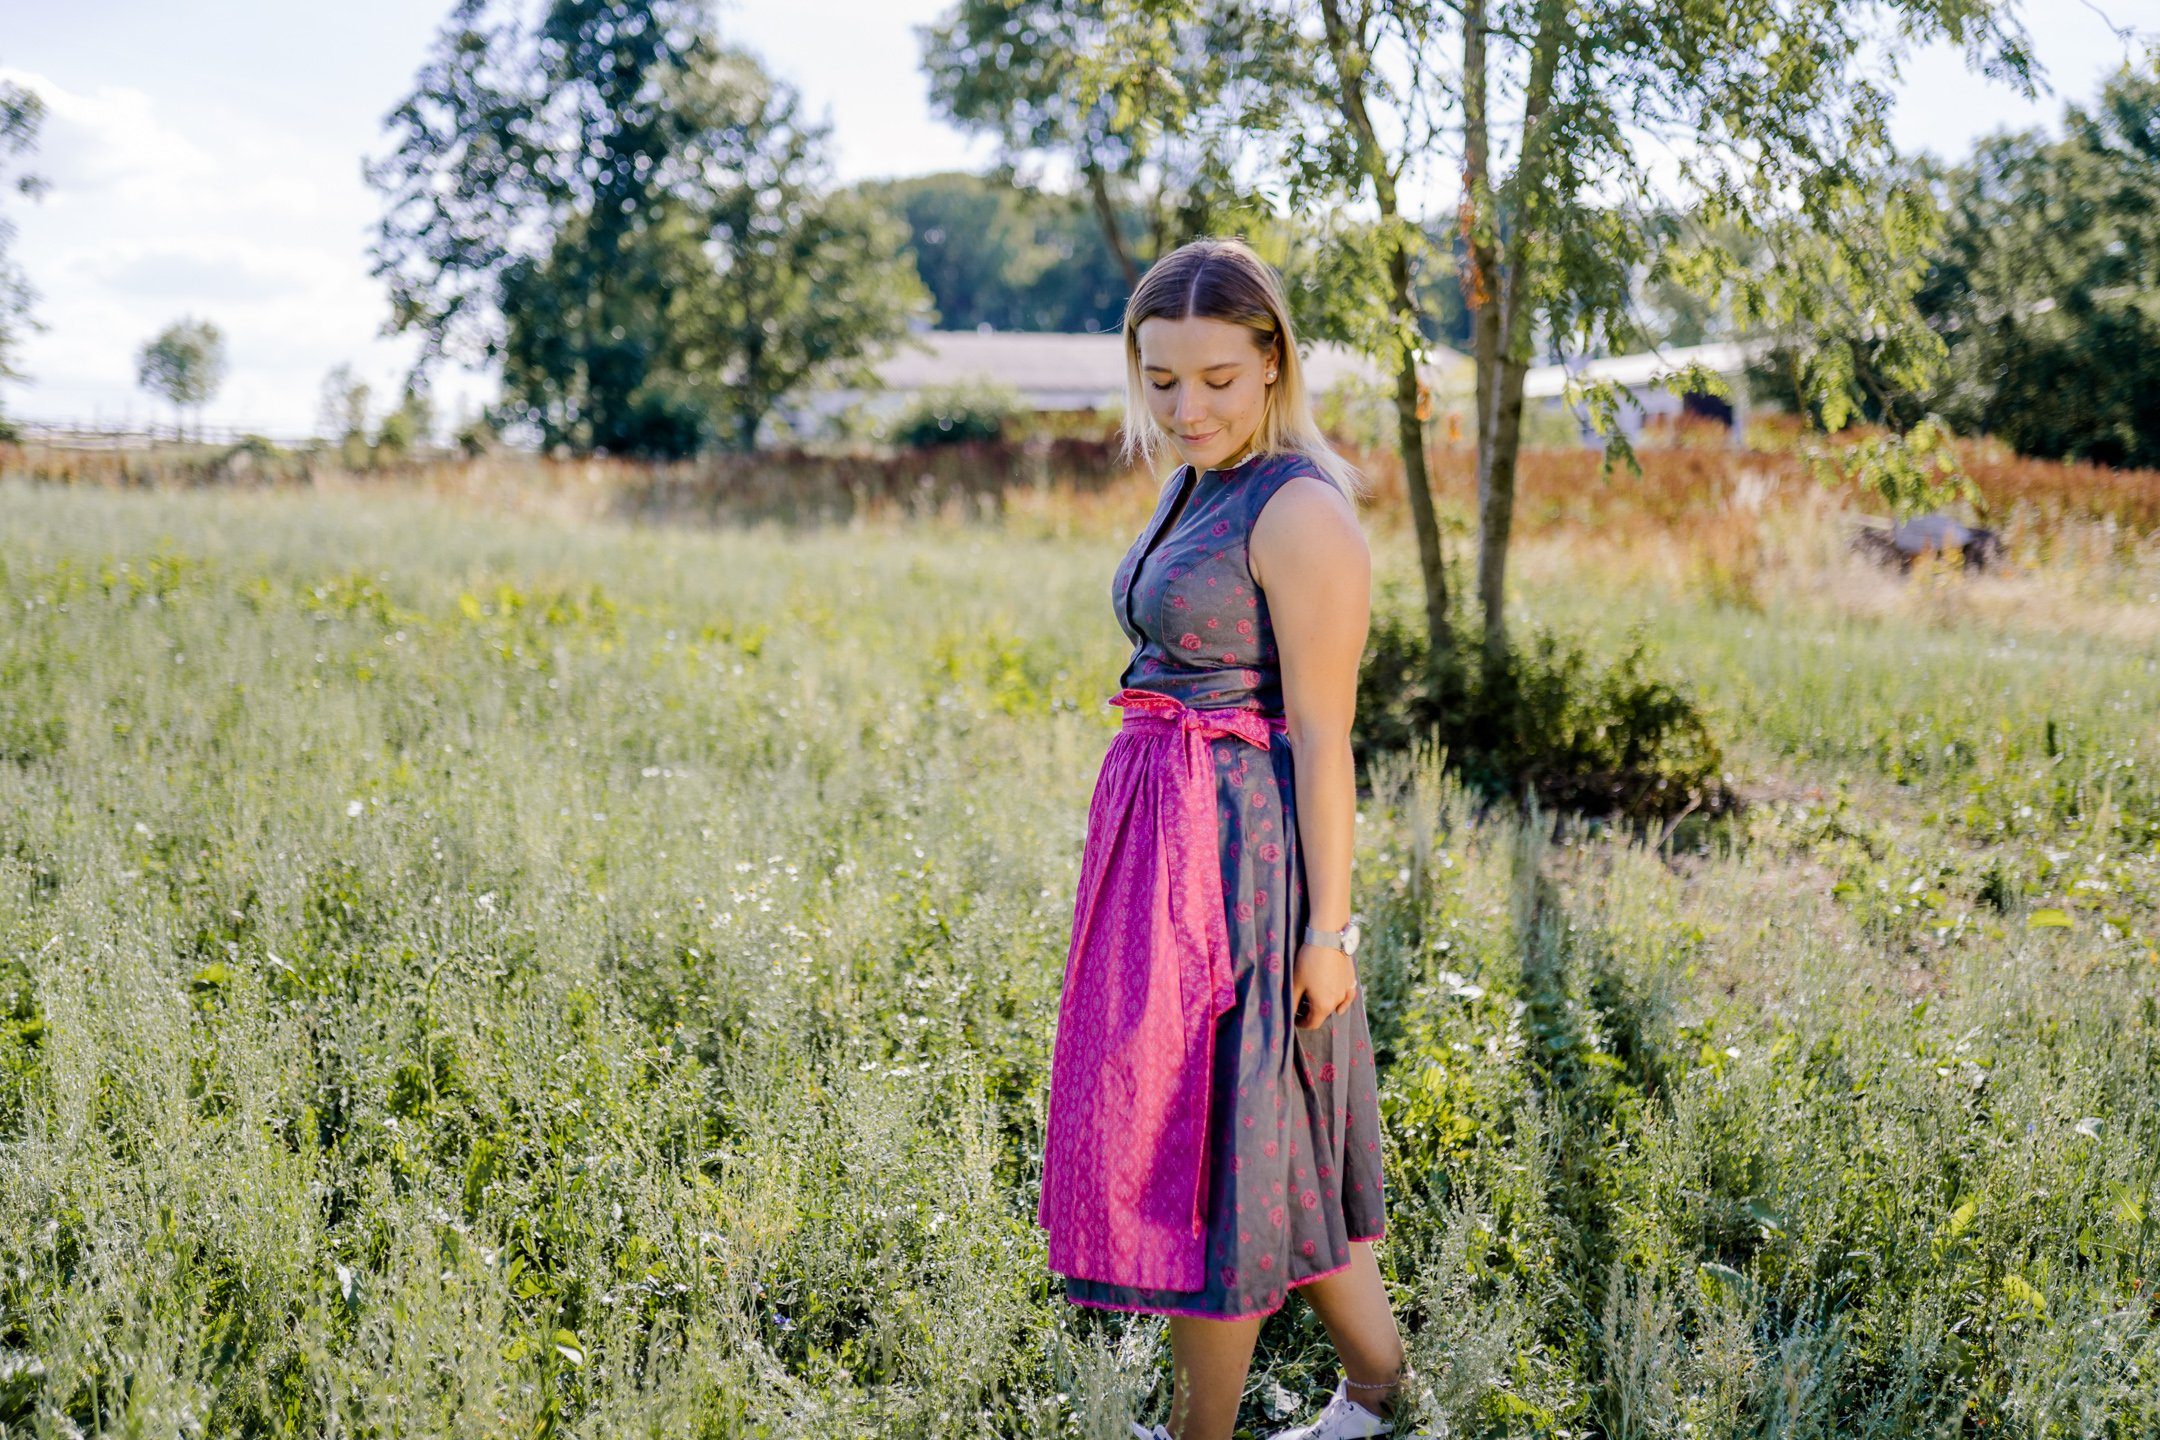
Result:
[
  {"x": 1158, "y": 1433},
  {"x": 1343, "y": 1419}
]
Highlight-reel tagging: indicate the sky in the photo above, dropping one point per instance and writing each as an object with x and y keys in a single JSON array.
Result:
[{"x": 210, "y": 165}]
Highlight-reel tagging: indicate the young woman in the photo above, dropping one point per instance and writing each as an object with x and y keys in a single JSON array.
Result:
[{"x": 1214, "y": 1133}]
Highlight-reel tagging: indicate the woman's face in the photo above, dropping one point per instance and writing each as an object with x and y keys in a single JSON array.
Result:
[{"x": 1206, "y": 384}]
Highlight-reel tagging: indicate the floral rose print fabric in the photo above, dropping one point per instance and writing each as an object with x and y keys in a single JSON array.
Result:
[{"x": 1293, "y": 1122}]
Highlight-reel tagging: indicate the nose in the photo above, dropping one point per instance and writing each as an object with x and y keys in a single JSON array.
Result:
[{"x": 1190, "y": 407}]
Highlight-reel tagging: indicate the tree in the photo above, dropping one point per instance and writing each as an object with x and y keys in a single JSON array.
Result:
[
  {"x": 1017, "y": 70},
  {"x": 994, "y": 254},
  {"x": 568, "y": 198},
  {"x": 1355, "y": 160},
  {"x": 1576, "y": 130},
  {"x": 797, "y": 283},
  {"x": 343, "y": 411},
  {"x": 22, "y": 112},
  {"x": 410, "y": 424},
  {"x": 342, "y": 415},
  {"x": 184, "y": 364},
  {"x": 2047, "y": 286},
  {"x": 529, "y": 164}
]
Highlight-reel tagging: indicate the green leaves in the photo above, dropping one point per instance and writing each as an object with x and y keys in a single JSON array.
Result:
[
  {"x": 22, "y": 113},
  {"x": 2043, "y": 288},
  {"x": 1952, "y": 1231},
  {"x": 1133, "y": 98},
  {"x": 1337, "y": 274},
  {"x": 634, "y": 221},
  {"x": 1910, "y": 473},
  {"x": 184, "y": 363}
]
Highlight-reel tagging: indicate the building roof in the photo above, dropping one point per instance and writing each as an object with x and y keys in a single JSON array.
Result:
[
  {"x": 1545, "y": 382},
  {"x": 1069, "y": 371}
]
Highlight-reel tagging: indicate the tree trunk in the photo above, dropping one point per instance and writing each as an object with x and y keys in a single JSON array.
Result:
[
  {"x": 1485, "y": 351},
  {"x": 1510, "y": 337},
  {"x": 1481, "y": 292},
  {"x": 1106, "y": 216},
  {"x": 749, "y": 412},
  {"x": 1417, "y": 481},
  {"x": 1496, "y": 500},
  {"x": 1350, "y": 59}
]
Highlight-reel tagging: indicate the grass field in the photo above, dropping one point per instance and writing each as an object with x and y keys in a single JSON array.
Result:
[{"x": 467, "y": 974}]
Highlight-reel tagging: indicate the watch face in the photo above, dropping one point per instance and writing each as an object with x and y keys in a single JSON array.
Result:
[{"x": 1350, "y": 939}]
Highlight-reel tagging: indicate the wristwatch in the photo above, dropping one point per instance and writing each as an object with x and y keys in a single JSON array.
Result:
[{"x": 1345, "y": 939}]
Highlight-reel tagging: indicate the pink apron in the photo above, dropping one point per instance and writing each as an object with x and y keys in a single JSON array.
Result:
[{"x": 1148, "y": 974}]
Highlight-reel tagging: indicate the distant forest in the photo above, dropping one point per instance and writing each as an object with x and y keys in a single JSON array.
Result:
[{"x": 993, "y": 254}]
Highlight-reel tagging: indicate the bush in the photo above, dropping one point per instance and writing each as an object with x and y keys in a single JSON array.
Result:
[
  {"x": 1359, "y": 412},
  {"x": 956, "y": 415},
  {"x": 479, "y": 436},
  {"x": 1606, "y": 739},
  {"x": 395, "y": 436}
]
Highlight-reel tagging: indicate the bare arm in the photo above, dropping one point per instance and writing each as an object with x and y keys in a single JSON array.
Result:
[{"x": 1309, "y": 556}]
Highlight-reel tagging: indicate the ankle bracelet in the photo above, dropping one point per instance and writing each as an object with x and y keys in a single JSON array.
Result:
[{"x": 1372, "y": 1384}]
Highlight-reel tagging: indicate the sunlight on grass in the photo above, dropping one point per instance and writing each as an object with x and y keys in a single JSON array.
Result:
[{"x": 469, "y": 974}]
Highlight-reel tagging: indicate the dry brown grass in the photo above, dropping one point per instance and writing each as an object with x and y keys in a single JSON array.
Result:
[
  {"x": 2061, "y": 577},
  {"x": 1736, "y": 528}
]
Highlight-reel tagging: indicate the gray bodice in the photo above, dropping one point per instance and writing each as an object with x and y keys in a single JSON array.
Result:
[{"x": 1185, "y": 596}]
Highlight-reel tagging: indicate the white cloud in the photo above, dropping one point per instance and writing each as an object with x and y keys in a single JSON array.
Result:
[
  {"x": 105, "y": 140},
  {"x": 196, "y": 271},
  {"x": 231, "y": 220},
  {"x": 223, "y": 177}
]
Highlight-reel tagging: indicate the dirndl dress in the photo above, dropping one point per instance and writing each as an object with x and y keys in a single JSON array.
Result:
[{"x": 1203, "y": 1155}]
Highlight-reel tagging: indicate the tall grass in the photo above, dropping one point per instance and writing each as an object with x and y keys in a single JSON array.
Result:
[
  {"x": 464, "y": 973},
  {"x": 1058, "y": 474}
]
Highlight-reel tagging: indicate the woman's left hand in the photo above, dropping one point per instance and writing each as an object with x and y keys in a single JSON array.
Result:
[{"x": 1322, "y": 981}]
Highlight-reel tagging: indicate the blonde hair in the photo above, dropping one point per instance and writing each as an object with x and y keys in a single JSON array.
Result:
[{"x": 1225, "y": 280}]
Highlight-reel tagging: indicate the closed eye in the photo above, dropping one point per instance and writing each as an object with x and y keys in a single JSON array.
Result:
[{"x": 1212, "y": 384}]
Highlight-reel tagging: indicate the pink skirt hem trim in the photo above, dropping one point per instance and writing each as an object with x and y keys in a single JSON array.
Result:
[{"x": 1210, "y": 1314}]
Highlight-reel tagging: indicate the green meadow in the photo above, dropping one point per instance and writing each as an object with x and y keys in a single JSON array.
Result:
[{"x": 469, "y": 974}]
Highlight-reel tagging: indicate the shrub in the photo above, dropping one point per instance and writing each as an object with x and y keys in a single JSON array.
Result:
[
  {"x": 395, "y": 436},
  {"x": 955, "y": 415},
  {"x": 481, "y": 435},
  {"x": 1608, "y": 738}
]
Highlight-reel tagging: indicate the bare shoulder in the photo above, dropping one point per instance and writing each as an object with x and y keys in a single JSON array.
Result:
[{"x": 1307, "y": 525}]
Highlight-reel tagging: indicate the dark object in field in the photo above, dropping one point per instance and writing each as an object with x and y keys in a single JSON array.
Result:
[{"x": 1901, "y": 544}]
